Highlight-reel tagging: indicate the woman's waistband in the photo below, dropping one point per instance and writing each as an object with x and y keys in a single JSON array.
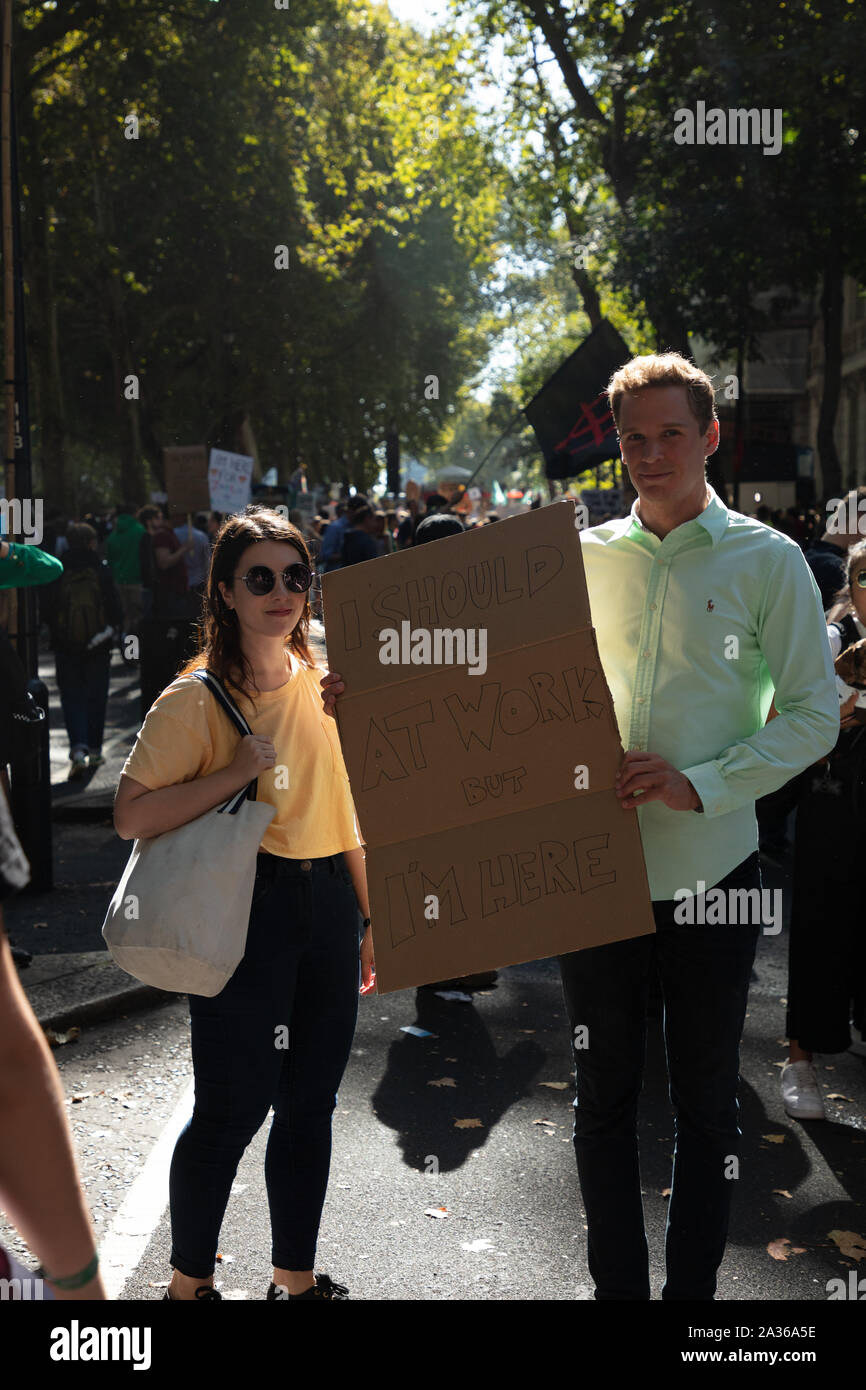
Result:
[{"x": 277, "y": 865}]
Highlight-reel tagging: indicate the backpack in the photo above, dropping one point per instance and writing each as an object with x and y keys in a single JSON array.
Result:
[{"x": 81, "y": 612}]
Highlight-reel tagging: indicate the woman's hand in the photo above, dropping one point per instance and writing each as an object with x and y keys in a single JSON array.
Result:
[
  {"x": 255, "y": 755},
  {"x": 368, "y": 964},
  {"x": 332, "y": 686}
]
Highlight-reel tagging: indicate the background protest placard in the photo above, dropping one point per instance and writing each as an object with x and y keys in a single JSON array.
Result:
[
  {"x": 483, "y": 786},
  {"x": 229, "y": 478},
  {"x": 186, "y": 479}
]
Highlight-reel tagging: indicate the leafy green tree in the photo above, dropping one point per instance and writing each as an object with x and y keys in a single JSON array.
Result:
[{"x": 327, "y": 130}]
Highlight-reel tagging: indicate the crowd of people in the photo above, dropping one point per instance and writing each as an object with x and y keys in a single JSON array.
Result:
[
  {"x": 101, "y": 577},
  {"x": 248, "y": 578}
]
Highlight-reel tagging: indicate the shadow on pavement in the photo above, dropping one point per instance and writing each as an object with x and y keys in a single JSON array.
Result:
[{"x": 487, "y": 1084}]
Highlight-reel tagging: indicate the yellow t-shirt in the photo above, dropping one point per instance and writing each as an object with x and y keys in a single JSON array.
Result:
[{"x": 187, "y": 734}]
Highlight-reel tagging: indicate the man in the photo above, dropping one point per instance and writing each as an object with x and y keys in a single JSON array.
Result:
[
  {"x": 171, "y": 597},
  {"x": 123, "y": 553},
  {"x": 331, "y": 553},
  {"x": 827, "y": 557},
  {"x": 198, "y": 562},
  {"x": 358, "y": 542},
  {"x": 701, "y": 614},
  {"x": 83, "y": 611},
  {"x": 434, "y": 504}
]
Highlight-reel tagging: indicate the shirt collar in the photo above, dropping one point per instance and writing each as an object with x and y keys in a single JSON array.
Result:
[{"x": 714, "y": 520}]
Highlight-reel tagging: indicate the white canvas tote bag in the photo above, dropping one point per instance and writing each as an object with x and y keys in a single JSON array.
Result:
[{"x": 179, "y": 916}]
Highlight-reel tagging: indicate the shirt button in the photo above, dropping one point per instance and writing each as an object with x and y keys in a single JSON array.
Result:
[
  {"x": 653, "y": 606},
  {"x": 639, "y": 700},
  {"x": 647, "y": 653},
  {"x": 306, "y": 865}
]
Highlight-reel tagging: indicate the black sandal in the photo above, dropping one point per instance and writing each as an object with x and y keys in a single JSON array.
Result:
[{"x": 324, "y": 1287}]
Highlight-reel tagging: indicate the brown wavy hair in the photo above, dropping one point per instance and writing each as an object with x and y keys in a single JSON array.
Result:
[
  {"x": 842, "y": 601},
  {"x": 219, "y": 646}
]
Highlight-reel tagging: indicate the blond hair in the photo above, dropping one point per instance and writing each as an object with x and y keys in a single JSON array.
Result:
[{"x": 665, "y": 369}]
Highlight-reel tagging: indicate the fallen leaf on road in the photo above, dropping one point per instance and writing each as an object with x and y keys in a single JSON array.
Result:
[
  {"x": 849, "y": 1243},
  {"x": 40, "y": 924},
  {"x": 58, "y": 1039},
  {"x": 82, "y": 1095},
  {"x": 555, "y": 1085},
  {"x": 468, "y": 1124},
  {"x": 782, "y": 1191},
  {"x": 475, "y": 1245},
  {"x": 774, "y": 1138},
  {"x": 443, "y": 1081},
  {"x": 781, "y": 1249},
  {"x": 837, "y": 1095},
  {"x": 438, "y": 1212}
]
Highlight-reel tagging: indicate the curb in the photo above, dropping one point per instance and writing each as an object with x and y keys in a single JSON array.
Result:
[
  {"x": 103, "y": 1010},
  {"x": 85, "y": 987}
]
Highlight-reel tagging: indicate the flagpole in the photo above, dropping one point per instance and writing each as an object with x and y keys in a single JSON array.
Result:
[{"x": 495, "y": 445}]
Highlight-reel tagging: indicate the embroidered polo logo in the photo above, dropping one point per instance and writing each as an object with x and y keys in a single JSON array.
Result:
[{"x": 710, "y": 605}]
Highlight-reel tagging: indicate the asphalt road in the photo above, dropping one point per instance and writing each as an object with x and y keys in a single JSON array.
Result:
[{"x": 514, "y": 1228}]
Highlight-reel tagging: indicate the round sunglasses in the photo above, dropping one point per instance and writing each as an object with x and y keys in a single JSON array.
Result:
[{"x": 260, "y": 580}]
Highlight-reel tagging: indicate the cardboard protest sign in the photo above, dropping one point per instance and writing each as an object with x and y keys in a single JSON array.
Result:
[
  {"x": 481, "y": 745},
  {"x": 186, "y": 479},
  {"x": 229, "y": 479}
]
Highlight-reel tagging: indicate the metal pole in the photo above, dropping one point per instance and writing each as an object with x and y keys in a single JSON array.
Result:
[
  {"x": 495, "y": 445},
  {"x": 30, "y": 787}
]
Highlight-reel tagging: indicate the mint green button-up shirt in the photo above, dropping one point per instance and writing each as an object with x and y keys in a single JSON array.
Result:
[{"x": 696, "y": 634}]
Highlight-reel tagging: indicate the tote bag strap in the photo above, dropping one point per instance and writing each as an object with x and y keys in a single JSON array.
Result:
[{"x": 218, "y": 690}]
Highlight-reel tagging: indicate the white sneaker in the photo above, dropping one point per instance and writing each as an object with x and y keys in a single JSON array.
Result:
[
  {"x": 800, "y": 1094},
  {"x": 78, "y": 761}
]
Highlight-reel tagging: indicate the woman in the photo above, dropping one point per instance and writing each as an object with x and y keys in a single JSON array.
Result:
[
  {"x": 39, "y": 1184},
  {"x": 280, "y": 1032},
  {"x": 827, "y": 969}
]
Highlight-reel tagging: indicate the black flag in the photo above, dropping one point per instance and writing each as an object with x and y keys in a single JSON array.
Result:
[{"x": 570, "y": 414}]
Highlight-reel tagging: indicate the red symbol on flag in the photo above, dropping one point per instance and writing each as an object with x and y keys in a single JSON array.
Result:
[{"x": 594, "y": 425}]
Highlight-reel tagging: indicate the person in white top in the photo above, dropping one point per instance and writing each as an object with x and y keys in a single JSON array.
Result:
[{"x": 827, "y": 963}]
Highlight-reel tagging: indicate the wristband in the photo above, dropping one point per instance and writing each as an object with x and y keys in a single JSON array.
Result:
[
  {"x": 366, "y": 923},
  {"x": 72, "y": 1281}
]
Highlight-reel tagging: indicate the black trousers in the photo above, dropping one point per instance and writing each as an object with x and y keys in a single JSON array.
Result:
[
  {"x": 827, "y": 949},
  {"x": 704, "y": 972}
]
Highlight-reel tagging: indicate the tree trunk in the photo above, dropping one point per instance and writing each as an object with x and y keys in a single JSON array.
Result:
[
  {"x": 617, "y": 154},
  {"x": 43, "y": 327},
  {"x": 831, "y": 312},
  {"x": 132, "y": 479}
]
